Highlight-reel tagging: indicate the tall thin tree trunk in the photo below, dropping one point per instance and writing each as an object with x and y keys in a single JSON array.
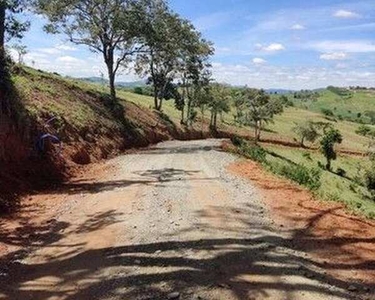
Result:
[
  {"x": 328, "y": 165},
  {"x": 109, "y": 60},
  {"x": 160, "y": 105},
  {"x": 257, "y": 131},
  {"x": 215, "y": 121},
  {"x": 2, "y": 55},
  {"x": 182, "y": 115},
  {"x": 156, "y": 102}
]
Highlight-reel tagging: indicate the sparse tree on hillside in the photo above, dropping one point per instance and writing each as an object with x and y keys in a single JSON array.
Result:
[
  {"x": 371, "y": 115},
  {"x": 239, "y": 102},
  {"x": 108, "y": 27},
  {"x": 306, "y": 131},
  {"x": 21, "y": 52},
  {"x": 172, "y": 47},
  {"x": 260, "y": 108},
  {"x": 162, "y": 32},
  {"x": 10, "y": 27},
  {"x": 219, "y": 102},
  {"x": 330, "y": 138}
]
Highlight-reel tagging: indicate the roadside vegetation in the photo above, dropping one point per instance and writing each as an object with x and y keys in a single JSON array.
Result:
[{"x": 350, "y": 180}]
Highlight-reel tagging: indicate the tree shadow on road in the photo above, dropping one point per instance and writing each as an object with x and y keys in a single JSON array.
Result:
[
  {"x": 246, "y": 261},
  {"x": 154, "y": 177}
]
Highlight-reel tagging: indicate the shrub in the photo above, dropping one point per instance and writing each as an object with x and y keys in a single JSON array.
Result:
[
  {"x": 370, "y": 181},
  {"x": 254, "y": 152},
  {"x": 327, "y": 112},
  {"x": 237, "y": 141},
  {"x": 363, "y": 130},
  {"x": 138, "y": 90},
  {"x": 300, "y": 174},
  {"x": 307, "y": 155},
  {"x": 341, "y": 172}
]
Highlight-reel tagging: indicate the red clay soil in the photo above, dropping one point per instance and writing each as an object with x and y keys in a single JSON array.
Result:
[{"x": 343, "y": 244}]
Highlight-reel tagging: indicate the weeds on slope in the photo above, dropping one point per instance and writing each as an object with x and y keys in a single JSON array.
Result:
[
  {"x": 347, "y": 183},
  {"x": 308, "y": 177}
]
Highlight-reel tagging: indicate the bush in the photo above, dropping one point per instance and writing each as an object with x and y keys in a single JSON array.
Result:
[
  {"x": 370, "y": 181},
  {"x": 255, "y": 153},
  {"x": 364, "y": 130},
  {"x": 327, "y": 112},
  {"x": 138, "y": 90},
  {"x": 341, "y": 172},
  {"x": 237, "y": 141},
  {"x": 307, "y": 155},
  {"x": 300, "y": 174}
]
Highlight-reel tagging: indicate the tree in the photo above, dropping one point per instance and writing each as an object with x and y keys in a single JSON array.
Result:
[
  {"x": 260, "y": 108},
  {"x": 108, "y": 27},
  {"x": 371, "y": 115},
  {"x": 172, "y": 47},
  {"x": 306, "y": 131},
  {"x": 161, "y": 35},
  {"x": 195, "y": 71},
  {"x": 10, "y": 27},
  {"x": 219, "y": 102},
  {"x": 239, "y": 100},
  {"x": 21, "y": 51},
  {"x": 330, "y": 138}
]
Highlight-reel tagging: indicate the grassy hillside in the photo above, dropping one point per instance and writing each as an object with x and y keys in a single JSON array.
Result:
[
  {"x": 347, "y": 189},
  {"x": 349, "y": 105},
  {"x": 81, "y": 116},
  {"x": 91, "y": 129}
]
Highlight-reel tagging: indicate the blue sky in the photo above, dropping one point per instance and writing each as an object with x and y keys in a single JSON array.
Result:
[{"x": 265, "y": 44}]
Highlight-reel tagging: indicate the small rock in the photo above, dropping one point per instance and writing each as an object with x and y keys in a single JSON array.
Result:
[
  {"x": 158, "y": 252},
  {"x": 137, "y": 261},
  {"x": 174, "y": 295},
  {"x": 352, "y": 288}
]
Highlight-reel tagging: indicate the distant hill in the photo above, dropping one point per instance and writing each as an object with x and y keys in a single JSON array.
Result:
[
  {"x": 99, "y": 80},
  {"x": 279, "y": 91}
]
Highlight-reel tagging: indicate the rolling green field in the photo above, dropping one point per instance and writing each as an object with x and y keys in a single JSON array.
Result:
[
  {"x": 346, "y": 189},
  {"x": 344, "y": 107}
]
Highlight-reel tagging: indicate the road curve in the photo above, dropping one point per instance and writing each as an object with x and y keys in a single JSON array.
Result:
[{"x": 168, "y": 223}]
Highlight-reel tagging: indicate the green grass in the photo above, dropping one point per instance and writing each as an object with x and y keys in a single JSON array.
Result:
[
  {"x": 284, "y": 123},
  {"x": 346, "y": 107},
  {"x": 348, "y": 190}
]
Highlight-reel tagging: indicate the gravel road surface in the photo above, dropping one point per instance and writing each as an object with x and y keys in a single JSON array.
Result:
[{"x": 166, "y": 223}]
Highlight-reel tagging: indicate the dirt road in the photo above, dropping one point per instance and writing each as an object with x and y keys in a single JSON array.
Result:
[{"x": 165, "y": 223}]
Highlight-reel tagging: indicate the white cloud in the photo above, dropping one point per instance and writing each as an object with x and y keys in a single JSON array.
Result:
[
  {"x": 350, "y": 46},
  {"x": 65, "y": 47},
  {"x": 69, "y": 60},
  {"x": 346, "y": 14},
  {"x": 51, "y": 51},
  {"x": 290, "y": 77},
  {"x": 270, "y": 48},
  {"x": 334, "y": 56},
  {"x": 298, "y": 27},
  {"x": 259, "y": 61}
]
